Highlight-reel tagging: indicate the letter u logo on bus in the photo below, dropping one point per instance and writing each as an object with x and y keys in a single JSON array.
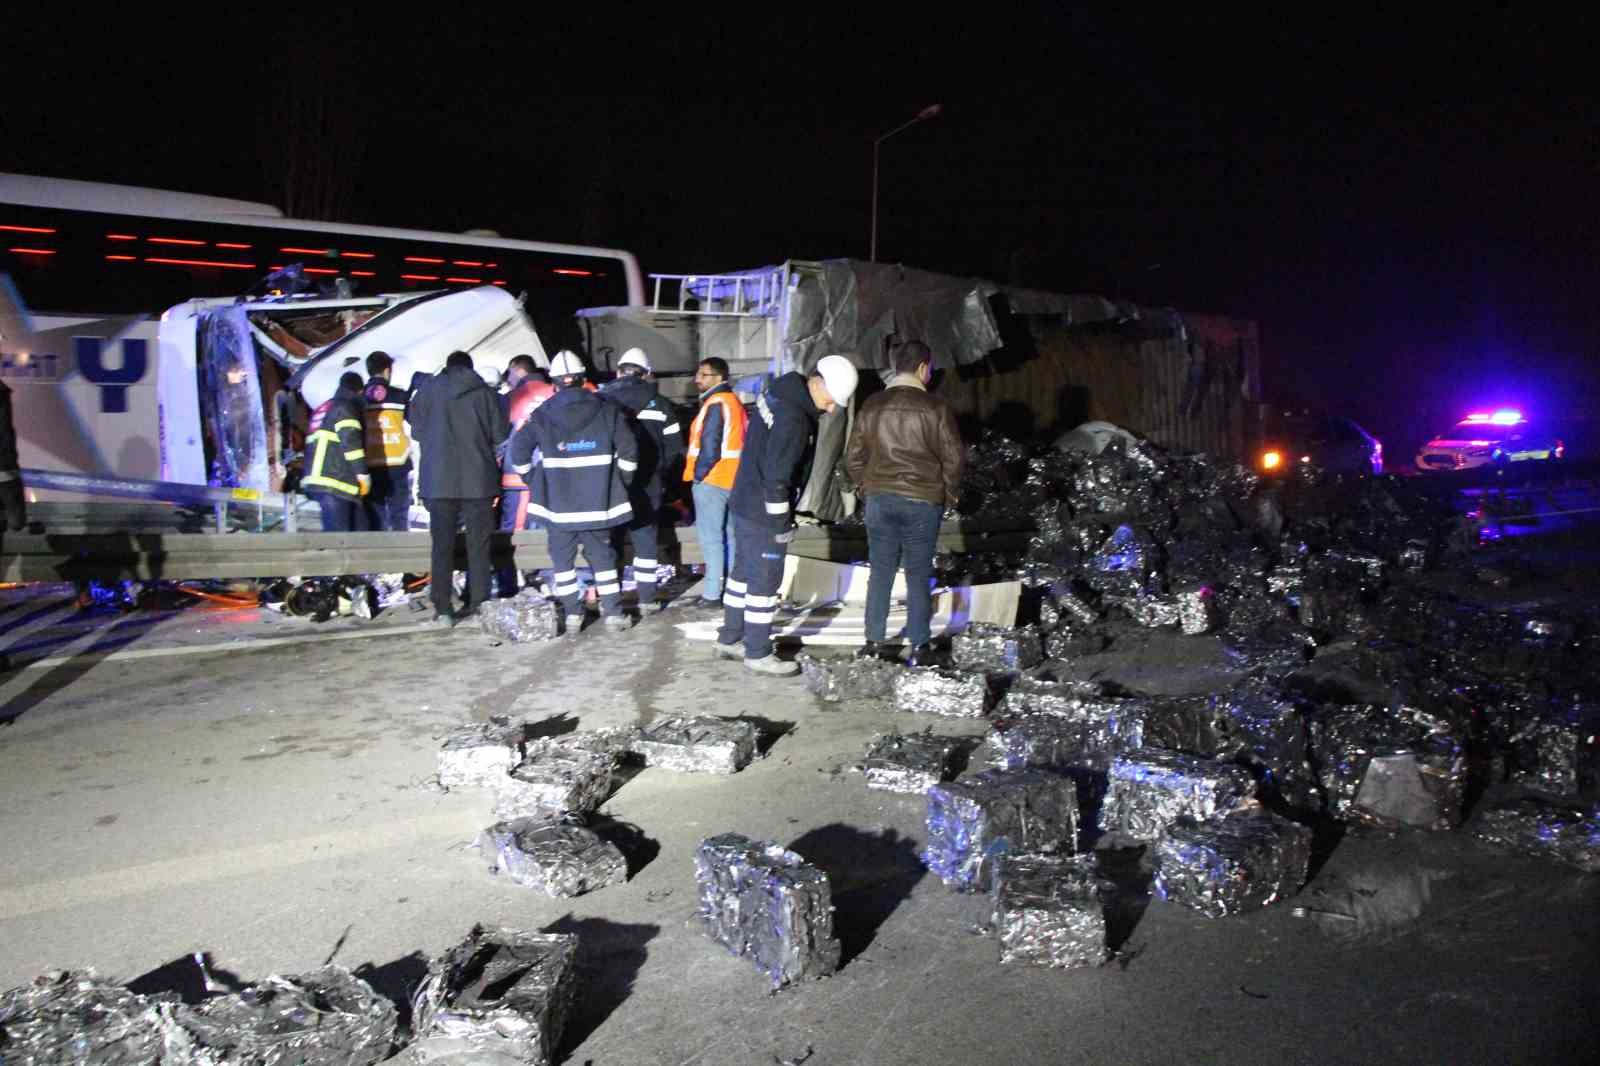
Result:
[{"x": 113, "y": 382}]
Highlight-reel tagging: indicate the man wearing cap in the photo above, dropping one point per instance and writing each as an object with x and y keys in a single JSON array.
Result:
[
  {"x": 574, "y": 451},
  {"x": 660, "y": 441},
  {"x": 905, "y": 458},
  {"x": 771, "y": 474}
]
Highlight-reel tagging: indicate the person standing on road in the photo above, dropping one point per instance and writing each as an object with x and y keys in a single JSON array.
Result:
[
  {"x": 771, "y": 475},
  {"x": 574, "y": 452},
  {"x": 336, "y": 460},
  {"x": 716, "y": 441},
  {"x": 12, "y": 496},
  {"x": 660, "y": 450},
  {"x": 904, "y": 456},
  {"x": 388, "y": 447},
  {"x": 458, "y": 422}
]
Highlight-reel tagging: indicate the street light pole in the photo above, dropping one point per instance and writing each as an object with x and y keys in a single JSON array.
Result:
[{"x": 926, "y": 113}]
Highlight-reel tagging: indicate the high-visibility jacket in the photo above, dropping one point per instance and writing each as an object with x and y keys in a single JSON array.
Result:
[
  {"x": 388, "y": 439},
  {"x": 336, "y": 453},
  {"x": 716, "y": 439},
  {"x": 574, "y": 453}
]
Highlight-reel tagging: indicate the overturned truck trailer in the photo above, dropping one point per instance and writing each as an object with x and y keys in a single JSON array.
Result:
[{"x": 1026, "y": 361}]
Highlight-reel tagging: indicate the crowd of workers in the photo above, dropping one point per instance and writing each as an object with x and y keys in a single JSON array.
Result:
[{"x": 594, "y": 465}]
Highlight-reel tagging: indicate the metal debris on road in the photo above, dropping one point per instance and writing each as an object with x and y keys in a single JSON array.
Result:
[
  {"x": 501, "y": 996},
  {"x": 557, "y": 856},
  {"x": 556, "y": 776},
  {"x": 702, "y": 745},
  {"x": 843, "y": 679},
  {"x": 1414, "y": 761},
  {"x": 986, "y": 648},
  {"x": 1150, "y": 790},
  {"x": 522, "y": 619},
  {"x": 909, "y": 763},
  {"x": 948, "y": 693},
  {"x": 480, "y": 755},
  {"x": 74, "y": 1017},
  {"x": 1247, "y": 860},
  {"x": 1048, "y": 910},
  {"x": 976, "y": 819},
  {"x": 328, "y": 1017},
  {"x": 1565, "y": 832},
  {"x": 768, "y": 905}
]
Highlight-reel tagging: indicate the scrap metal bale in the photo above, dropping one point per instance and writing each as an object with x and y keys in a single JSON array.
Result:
[
  {"x": 1146, "y": 609},
  {"x": 986, "y": 648},
  {"x": 1150, "y": 790},
  {"x": 480, "y": 755},
  {"x": 841, "y": 679},
  {"x": 1399, "y": 767},
  {"x": 74, "y": 1017},
  {"x": 555, "y": 777},
  {"x": 500, "y": 996},
  {"x": 1085, "y": 734},
  {"x": 1197, "y": 610},
  {"x": 1041, "y": 693},
  {"x": 973, "y": 821},
  {"x": 697, "y": 745},
  {"x": 1124, "y": 563},
  {"x": 1247, "y": 860},
  {"x": 328, "y": 1017},
  {"x": 521, "y": 619},
  {"x": 1559, "y": 754},
  {"x": 1568, "y": 833},
  {"x": 768, "y": 905},
  {"x": 1048, "y": 910},
  {"x": 948, "y": 693},
  {"x": 556, "y": 856},
  {"x": 910, "y": 763}
]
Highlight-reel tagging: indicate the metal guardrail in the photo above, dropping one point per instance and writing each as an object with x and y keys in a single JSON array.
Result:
[
  {"x": 201, "y": 556},
  {"x": 284, "y": 504}
]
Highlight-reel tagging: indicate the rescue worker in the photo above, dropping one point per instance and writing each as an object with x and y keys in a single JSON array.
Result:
[
  {"x": 660, "y": 445},
  {"x": 522, "y": 402},
  {"x": 388, "y": 447},
  {"x": 771, "y": 475},
  {"x": 574, "y": 452},
  {"x": 716, "y": 439},
  {"x": 459, "y": 425},
  {"x": 518, "y": 370},
  {"x": 12, "y": 496},
  {"x": 336, "y": 459}
]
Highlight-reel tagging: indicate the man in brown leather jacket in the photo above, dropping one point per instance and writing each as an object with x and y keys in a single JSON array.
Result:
[{"x": 904, "y": 457}]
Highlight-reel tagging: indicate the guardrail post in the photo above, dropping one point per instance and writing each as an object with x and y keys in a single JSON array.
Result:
[{"x": 222, "y": 517}]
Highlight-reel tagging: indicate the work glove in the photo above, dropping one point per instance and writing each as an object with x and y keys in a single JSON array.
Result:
[{"x": 364, "y": 483}]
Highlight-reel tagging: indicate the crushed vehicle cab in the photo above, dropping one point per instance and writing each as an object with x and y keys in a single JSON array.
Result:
[
  {"x": 1307, "y": 438},
  {"x": 1490, "y": 438}
]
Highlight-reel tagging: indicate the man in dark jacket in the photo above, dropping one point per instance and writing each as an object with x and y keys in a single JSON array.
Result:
[
  {"x": 660, "y": 441},
  {"x": 574, "y": 452},
  {"x": 388, "y": 447},
  {"x": 336, "y": 459},
  {"x": 904, "y": 457},
  {"x": 771, "y": 475},
  {"x": 457, "y": 420},
  {"x": 11, "y": 490}
]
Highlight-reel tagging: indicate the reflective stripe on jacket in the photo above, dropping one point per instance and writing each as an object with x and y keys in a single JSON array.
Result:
[
  {"x": 388, "y": 440},
  {"x": 715, "y": 461},
  {"x": 337, "y": 453}
]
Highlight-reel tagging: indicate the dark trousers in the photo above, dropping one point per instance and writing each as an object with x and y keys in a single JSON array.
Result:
[
  {"x": 15, "y": 501},
  {"x": 901, "y": 531},
  {"x": 389, "y": 502},
  {"x": 341, "y": 514},
  {"x": 600, "y": 553},
  {"x": 751, "y": 597},
  {"x": 646, "y": 536},
  {"x": 476, "y": 516}
]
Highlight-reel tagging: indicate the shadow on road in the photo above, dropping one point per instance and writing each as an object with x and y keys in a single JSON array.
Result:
[
  {"x": 396, "y": 981},
  {"x": 871, "y": 874},
  {"x": 610, "y": 955},
  {"x": 118, "y": 635},
  {"x": 638, "y": 849},
  {"x": 192, "y": 978}
]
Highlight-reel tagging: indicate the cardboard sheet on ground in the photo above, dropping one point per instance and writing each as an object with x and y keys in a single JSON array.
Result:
[{"x": 826, "y": 603}]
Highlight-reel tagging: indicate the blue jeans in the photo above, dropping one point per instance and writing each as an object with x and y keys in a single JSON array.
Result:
[
  {"x": 711, "y": 530},
  {"x": 901, "y": 532}
]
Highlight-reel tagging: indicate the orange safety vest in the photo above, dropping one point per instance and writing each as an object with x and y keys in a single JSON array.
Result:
[{"x": 734, "y": 421}]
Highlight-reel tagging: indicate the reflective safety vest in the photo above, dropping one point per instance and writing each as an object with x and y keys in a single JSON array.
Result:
[
  {"x": 730, "y": 446},
  {"x": 388, "y": 443},
  {"x": 337, "y": 455}
]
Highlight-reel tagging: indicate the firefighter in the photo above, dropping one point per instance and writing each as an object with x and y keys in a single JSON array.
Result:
[
  {"x": 336, "y": 459},
  {"x": 716, "y": 439},
  {"x": 575, "y": 452},
  {"x": 660, "y": 442},
  {"x": 771, "y": 474},
  {"x": 388, "y": 447}
]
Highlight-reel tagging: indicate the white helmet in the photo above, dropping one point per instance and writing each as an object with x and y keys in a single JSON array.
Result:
[
  {"x": 566, "y": 364},
  {"x": 634, "y": 357},
  {"x": 839, "y": 377}
]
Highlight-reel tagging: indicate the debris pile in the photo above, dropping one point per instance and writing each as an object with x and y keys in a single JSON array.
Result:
[
  {"x": 1048, "y": 910},
  {"x": 328, "y": 1017},
  {"x": 948, "y": 693},
  {"x": 973, "y": 821},
  {"x": 910, "y": 763},
  {"x": 767, "y": 904},
  {"x": 521, "y": 619},
  {"x": 479, "y": 755},
  {"x": 845, "y": 679},
  {"x": 697, "y": 745},
  {"x": 556, "y": 776},
  {"x": 1150, "y": 790},
  {"x": 1247, "y": 860},
  {"x": 557, "y": 856}
]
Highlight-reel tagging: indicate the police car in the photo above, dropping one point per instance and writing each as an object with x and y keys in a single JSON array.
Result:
[{"x": 1490, "y": 438}]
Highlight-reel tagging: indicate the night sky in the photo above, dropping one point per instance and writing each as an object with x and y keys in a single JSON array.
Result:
[{"x": 1404, "y": 201}]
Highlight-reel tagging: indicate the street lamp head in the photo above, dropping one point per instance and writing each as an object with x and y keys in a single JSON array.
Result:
[{"x": 931, "y": 111}]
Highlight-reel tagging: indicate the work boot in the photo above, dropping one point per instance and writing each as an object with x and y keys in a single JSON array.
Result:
[
  {"x": 925, "y": 655},
  {"x": 704, "y": 604},
  {"x": 574, "y": 625},
  {"x": 616, "y": 623},
  {"x": 771, "y": 664},
  {"x": 443, "y": 619},
  {"x": 880, "y": 649},
  {"x": 732, "y": 652}
]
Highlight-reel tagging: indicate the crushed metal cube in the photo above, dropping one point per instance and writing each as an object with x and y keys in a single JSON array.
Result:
[
  {"x": 328, "y": 1017},
  {"x": 768, "y": 905},
  {"x": 1197, "y": 611},
  {"x": 1558, "y": 755},
  {"x": 74, "y": 1017},
  {"x": 986, "y": 648},
  {"x": 554, "y": 778},
  {"x": 910, "y": 763},
  {"x": 1150, "y": 790},
  {"x": 842, "y": 679},
  {"x": 554, "y": 856},
  {"x": 1245, "y": 861},
  {"x": 521, "y": 619},
  {"x": 501, "y": 996},
  {"x": 1565, "y": 832},
  {"x": 948, "y": 693},
  {"x": 1048, "y": 910},
  {"x": 1414, "y": 761},
  {"x": 973, "y": 821},
  {"x": 480, "y": 755},
  {"x": 1089, "y": 738},
  {"x": 697, "y": 745}
]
